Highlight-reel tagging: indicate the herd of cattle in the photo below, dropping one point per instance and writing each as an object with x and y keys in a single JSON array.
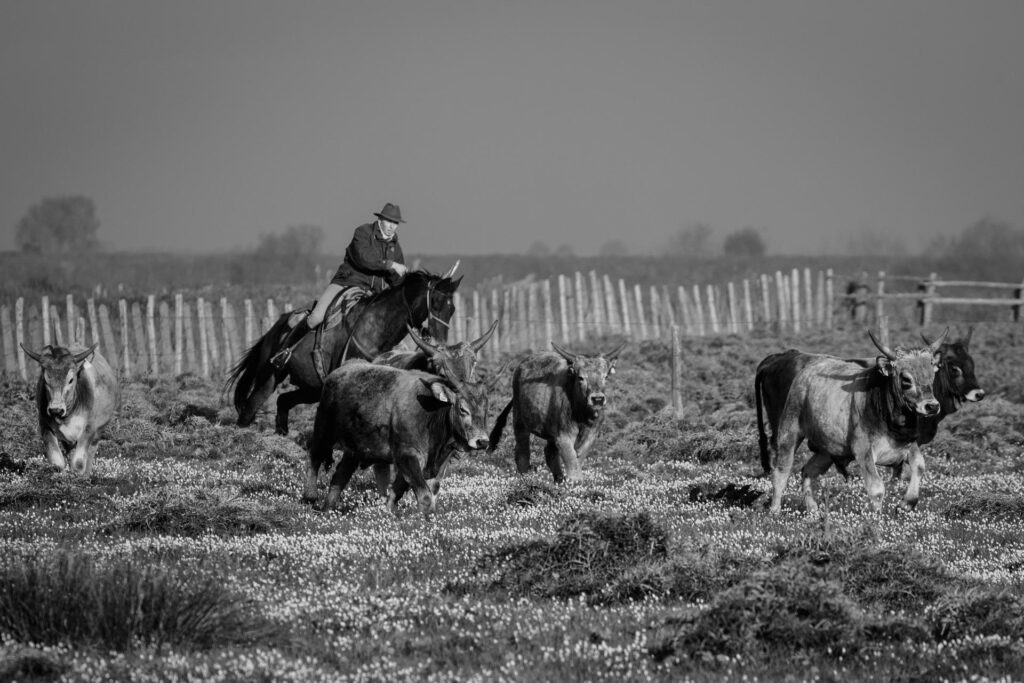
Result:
[{"x": 407, "y": 412}]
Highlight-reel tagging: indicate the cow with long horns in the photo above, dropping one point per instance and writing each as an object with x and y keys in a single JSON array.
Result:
[
  {"x": 76, "y": 396},
  {"x": 848, "y": 412},
  {"x": 561, "y": 398}
]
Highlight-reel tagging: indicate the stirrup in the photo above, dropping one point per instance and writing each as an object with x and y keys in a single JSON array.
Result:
[{"x": 281, "y": 358}]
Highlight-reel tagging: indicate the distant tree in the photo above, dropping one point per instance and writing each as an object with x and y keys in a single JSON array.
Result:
[
  {"x": 613, "y": 248},
  {"x": 564, "y": 251},
  {"x": 58, "y": 224},
  {"x": 691, "y": 240},
  {"x": 987, "y": 239},
  {"x": 295, "y": 243},
  {"x": 539, "y": 249},
  {"x": 744, "y": 242}
]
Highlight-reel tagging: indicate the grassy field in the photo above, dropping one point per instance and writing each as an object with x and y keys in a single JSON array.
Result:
[{"x": 188, "y": 555}]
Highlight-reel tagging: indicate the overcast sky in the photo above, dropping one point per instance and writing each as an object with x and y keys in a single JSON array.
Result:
[{"x": 201, "y": 125}]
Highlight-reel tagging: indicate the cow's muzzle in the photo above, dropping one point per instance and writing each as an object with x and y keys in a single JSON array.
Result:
[
  {"x": 57, "y": 411},
  {"x": 930, "y": 407},
  {"x": 597, "y": 399},
  {"x": 478, "y": 443},
  {"x": 975, "y": 395}
]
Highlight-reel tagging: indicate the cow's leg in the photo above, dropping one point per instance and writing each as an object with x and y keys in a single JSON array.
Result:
[
  {"x": 80, "y": 456},
  {"x": 873, "y": 480},
  {"x": 261, "y": 392},
  {"x": 554, "y": 461},
  {"x": 408, "y": 466},
  {"x": 347, "y": 466},
  {"x": 585, "y": 439},
  {"x": 286, "y": 402},
  {"x": 570, "y": 459},
  {"x": 916, "y": 463},
  {"x": 55, "y": 454},
  {"x": 321, "y": 453},
  {"x": 522, "y": 433},
  {"x": 809, "y": 473},
  {"x": 383, "y": 476},
  {"x": 788, "y": 441},
  {"x": 398, "y": 488}
]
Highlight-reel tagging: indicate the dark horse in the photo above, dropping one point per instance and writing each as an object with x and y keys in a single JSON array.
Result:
[{"x": 374, "y": 325}]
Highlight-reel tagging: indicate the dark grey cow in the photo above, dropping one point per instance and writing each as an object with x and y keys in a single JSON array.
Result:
[
  {"x": 845, "y": 412},
  {"x": 559, "y": 397},
  {"x": 382, "y": 416},
  {"x": 76, "y": 396}
]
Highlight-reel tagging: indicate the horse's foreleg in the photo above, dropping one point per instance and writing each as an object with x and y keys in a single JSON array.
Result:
[{"x": 285, "y": 402}]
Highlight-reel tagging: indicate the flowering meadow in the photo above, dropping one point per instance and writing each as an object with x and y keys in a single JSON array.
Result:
[{"x": 188, "y": 555}]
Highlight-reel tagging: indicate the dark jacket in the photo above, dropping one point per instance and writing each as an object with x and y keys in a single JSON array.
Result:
[{"x": 368, "y": 260}]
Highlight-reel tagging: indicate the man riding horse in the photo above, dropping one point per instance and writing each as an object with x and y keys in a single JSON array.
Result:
[{"x": 373, "y": 262}]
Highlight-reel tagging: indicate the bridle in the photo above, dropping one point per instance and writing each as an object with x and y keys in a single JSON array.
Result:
[{"x": 410, "y": 319}]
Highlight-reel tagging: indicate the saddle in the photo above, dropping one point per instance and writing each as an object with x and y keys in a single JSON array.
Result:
[{"x": 337, "y": 312}]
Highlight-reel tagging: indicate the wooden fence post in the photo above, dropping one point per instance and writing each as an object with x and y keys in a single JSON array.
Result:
[
  {"x": 820, "y": 310},
  {"x": 209, "y": 321},
  {"x": 702, "y": 328},
  {"x": 677, "y": 368},
  {"x": 1017, "y": 294},
  {"x": 734, "y": 317},
  {"x": 58, "y": 335},
  {"x": 795, "y": 301},
  {"x": 126, "y": 361},
  {"x": 139, "y": 330},
  {"x": 928, "y": 287},
  {"x": 90, "y": 307},
  {"x": 748, "y": 307},
  {"x": 597, "y": 303},
  {"x": 154, "y": 363},
  {"x": 109, "y": 341},
  {"x": 685, "y": 312},
  {"x": 563, "y": 303},
  {"x": 190, "y": 340},
  {"x": 549, "y": 317},
  {"x": 880, "y": 299},
  {"x": 808, "y": 298},
  {"x": 45, "y": 313},
  {"x": 204, "y": 347},
  {"x": 667, "y": 308},
  {"x": 627, "y": 323},
  {"x": 477, "y": 324},
  {"x": 19, "y": 332},
  {"x": 166, "y": 325},
  {"x": 502, "y": 326},
  {"x": 713, "y": 310},
  {"x": 508, "y": 319},
  {"x": 7, "y": 339},
  {"x": 614, "y": 319},
  {"x": 830, "y": 298},
  {"x": 179, "y": 326},
  {"x": 250, "y": 325},
  {"x": 581, "y": 305},
  {"x": 640, "y": 321}
]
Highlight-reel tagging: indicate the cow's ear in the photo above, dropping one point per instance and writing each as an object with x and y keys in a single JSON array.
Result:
[
  {"x": 440, "y": 392},
  {"x": 884, "y": 365}
]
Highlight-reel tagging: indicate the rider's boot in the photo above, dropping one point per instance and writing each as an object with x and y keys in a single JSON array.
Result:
[{"x": 291, "y": 340}]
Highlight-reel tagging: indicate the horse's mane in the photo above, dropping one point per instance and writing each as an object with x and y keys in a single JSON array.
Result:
[{"x": 415, "y": 280}]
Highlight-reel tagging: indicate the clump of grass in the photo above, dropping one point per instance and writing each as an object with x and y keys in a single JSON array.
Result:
[
  {"x": 988, "y": 505},
  {"x": 530, "y": 493},
  {"x": 977, "y": 612},
  {"x": 187, "y": 513},
  {"x": 42, "y": 486},
  {"x": 19, "y": 663},
  {"x": 595, "y": 554},
  {"x": 68, "y": 597}
]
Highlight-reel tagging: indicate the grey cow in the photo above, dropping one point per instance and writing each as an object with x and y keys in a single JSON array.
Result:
[
  {"x": 381, "y": 416},
  {"x": 76, "y": 396},
  {"x": 559, "y": 397},
  {"x": 846, "y": 411}
]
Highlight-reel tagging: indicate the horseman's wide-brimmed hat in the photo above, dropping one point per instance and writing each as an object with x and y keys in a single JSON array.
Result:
[{"x": 391, "y": 213}]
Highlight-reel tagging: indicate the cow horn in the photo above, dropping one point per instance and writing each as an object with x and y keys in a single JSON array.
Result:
[
  {"x": 479, "y": 343},
  {"x": 451, "y": 271},
  {"x": 884, "y": 349},
  {"x": 37, "y": 357},
  {"x": 427, "y": 347},
  {"x": 934, "y": 346},
  {"x": 967, "y": 340},
  {"x": 568, "y": 355},
  {"x": 611, "y": 355},
  {"x": 82, "y": 355}
]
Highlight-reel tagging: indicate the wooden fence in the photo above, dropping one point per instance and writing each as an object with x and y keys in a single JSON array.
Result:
[{"x": 173, "y": 335}]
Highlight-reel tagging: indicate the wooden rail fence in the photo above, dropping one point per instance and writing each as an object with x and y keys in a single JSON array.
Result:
[{"x": 176, "y": 334}]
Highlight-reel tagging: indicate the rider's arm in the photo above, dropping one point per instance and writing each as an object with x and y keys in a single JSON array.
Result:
[
  {"x": 364, "y": 253},
  {"x": 316, "y": 316}
]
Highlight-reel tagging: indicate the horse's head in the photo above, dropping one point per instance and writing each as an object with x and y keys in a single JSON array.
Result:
[{"x": 431, "y": 301}]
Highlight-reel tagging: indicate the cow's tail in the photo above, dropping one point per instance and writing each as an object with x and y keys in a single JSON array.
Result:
[
  {"x": 499, "y": 427},
  {"x": 244, "y": 374},
  {"x": 762, "y": 435}
]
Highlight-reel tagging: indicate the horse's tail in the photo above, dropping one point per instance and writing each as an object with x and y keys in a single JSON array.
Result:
[
  {"x": 243, "y": 374},
  {"x": 762, "y": 435},
  {"x": 499, "y": 427}
]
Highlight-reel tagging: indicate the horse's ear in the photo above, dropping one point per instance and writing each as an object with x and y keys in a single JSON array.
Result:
[{"x": 455, "y": 283}]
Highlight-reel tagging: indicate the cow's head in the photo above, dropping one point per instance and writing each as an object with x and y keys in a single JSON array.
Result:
[
  {"x": 455, "y": 417},
  {"x": 588, "y": 375},
  {"x": 956, "y": 371},
  {"x": 59, "y": 376},
  {"x": 911, "y": 373},
  {"x": 456, "y": 361}
]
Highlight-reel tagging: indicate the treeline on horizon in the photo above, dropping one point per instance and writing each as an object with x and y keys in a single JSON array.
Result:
[{"x": 133, "y": 274}]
